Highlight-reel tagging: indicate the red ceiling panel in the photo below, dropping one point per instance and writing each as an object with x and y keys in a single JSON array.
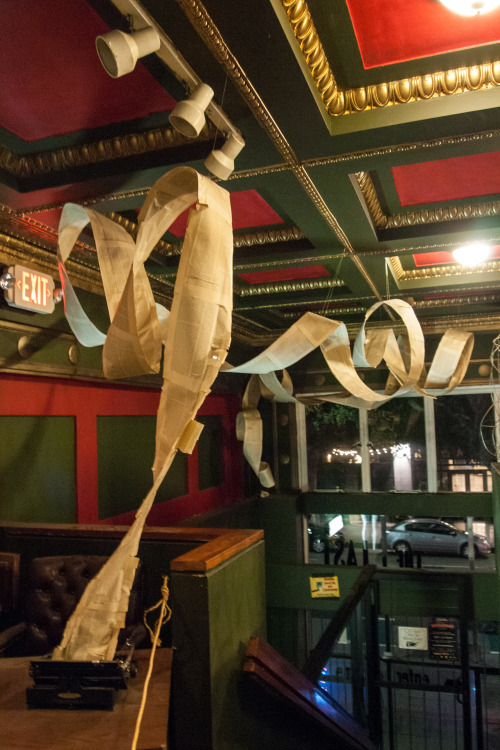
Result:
[
  {"x": 392, "y": 31},
  {"x": 51, "y": 80},
  {"x": 448, "y": 179},
  {"x": 249, "y": 210},
  {"x": 284, "y": 274}
]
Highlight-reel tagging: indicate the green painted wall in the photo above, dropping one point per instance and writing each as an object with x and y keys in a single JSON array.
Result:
[
  {"x": 37, "y": 469},
  {"x": 210, "y": 456},
  {"x": 215, "y": 616},
  {"x": 125, "y": 475}
]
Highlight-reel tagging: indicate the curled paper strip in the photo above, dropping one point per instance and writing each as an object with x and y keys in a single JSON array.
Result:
[
  {"x": 196, "y": 338},
  {"x": 405, "y": 360}
]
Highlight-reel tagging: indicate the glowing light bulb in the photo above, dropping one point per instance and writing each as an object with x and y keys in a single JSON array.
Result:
[
  {"x": 471, "y": 7},
  {"x": 472, "y": 255}
]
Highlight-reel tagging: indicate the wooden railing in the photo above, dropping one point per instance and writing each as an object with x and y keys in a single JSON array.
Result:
[
  {"x": 270, "y": 669},
  {"x": 213, "y": 546}
]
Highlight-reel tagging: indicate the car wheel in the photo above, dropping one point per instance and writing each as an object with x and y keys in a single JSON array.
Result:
[
  {"x": 401, "y": 546},
  {"x": 318, "y": 545},
  {"x": 464, "y": 550}
]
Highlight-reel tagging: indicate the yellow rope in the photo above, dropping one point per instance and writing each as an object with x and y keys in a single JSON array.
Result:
[{"x": 165, "y": 615}]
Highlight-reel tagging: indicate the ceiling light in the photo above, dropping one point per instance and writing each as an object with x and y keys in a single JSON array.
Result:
[
  {"x": 221, "y": 161},
  {"x": 472, "y": 255},
  {"x": 471, "y": 7},
  {"x": 188, "y": 116},
  {"x": 119, "y": 52}
]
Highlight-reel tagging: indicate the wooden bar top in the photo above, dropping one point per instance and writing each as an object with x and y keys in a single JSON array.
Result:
[{"x": 47, "y": 729}]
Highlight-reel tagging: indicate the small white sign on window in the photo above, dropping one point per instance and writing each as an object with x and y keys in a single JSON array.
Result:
[{"x": 412, "y": 638}]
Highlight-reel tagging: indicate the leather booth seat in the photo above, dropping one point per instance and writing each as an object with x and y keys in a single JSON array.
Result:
[{"x": 54, "y": 587}]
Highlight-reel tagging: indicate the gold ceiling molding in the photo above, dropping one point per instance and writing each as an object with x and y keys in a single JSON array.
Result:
[
  {"x": 306, "y": 259},
  {"x": 360, "y": 309},
  {"x": 208, "y": 31},
  {"x": 281, "y": 287},
  {"x": 119, "y": 147},
  {"x": 435, "y": 272},
  {"x": 106, "y": 198},
  {"x": 414, "y": 218},
  {"x": 268, "y": 237},
  {"x": 417, "y": 88},
  {"x": 399, "y": 148},
  {"x": 469, "y": 299},
  {"x": 483, "y": 322}
]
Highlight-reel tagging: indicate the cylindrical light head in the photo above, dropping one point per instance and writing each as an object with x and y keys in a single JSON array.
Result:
[
  {"x": 188, "y": 116},
  {"x": 119, "y": 52},
  {"x": 221, "y": 161}
]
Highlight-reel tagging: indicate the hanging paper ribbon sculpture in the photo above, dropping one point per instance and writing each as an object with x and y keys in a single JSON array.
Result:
[
  {"x": 406, "y": 369},
  {"x": 196, "y": 336}
]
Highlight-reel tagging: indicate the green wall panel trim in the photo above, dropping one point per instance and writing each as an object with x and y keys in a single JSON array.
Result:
[
  {"x": 401, "y": 592},
  {"x": 447, "y": 504},
  {"x": 486, "y": 593},
  {"x": 282, "y": 524},
  {"x": 210, "y": 452},
  {"x": 126, "y": 447},
  {"x": 37, "y": 469},
  {"x": 214, "y": 616},
  {"x": 288, "y": 586},
  {"x": 495, "y": 473}
]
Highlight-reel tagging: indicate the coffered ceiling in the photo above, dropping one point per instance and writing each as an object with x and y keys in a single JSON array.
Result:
[{"x": 372, "y": 151}]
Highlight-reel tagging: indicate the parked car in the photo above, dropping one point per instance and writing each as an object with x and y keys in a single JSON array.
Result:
[
  {"x": 319, "y": 537},
  {"x": 433, "y": 537}
]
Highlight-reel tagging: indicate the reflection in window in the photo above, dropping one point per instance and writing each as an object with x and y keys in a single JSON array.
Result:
[
  {"x": 397, "y": 445},
  {"x": 462, "y": 459},
  {"x": 333, "y": 447}
]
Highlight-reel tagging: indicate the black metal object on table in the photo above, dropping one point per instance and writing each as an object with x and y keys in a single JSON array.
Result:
[{"x": 78, "y": 684}]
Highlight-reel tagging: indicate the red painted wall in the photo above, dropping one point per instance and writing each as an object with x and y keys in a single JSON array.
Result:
[{"x": 26, "y": 396}]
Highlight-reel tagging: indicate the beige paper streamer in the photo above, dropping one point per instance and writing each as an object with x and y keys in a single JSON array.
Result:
[
  {"x": 406, "y": 365},
  {"x": 196, "y": 338}
]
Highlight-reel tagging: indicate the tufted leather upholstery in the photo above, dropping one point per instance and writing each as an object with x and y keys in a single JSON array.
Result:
[{"x": 54, "y": 588}]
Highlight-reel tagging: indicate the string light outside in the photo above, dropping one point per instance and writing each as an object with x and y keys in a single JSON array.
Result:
[{"x": 401, "y": 450}]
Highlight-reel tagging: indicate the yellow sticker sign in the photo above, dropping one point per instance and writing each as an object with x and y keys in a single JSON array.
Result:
[{"x": 328, "y": 586}]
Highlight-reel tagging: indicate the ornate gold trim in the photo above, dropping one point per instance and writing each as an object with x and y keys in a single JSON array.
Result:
[
  {"x": 470, "y": 299},
  {"x": 119, "y": 147},
  {"x": 268, "y": 237},
  {"x": 329, "y": 313},
  {"x": 413, "y": 218},
  {"x": 436, "y": 272},
  {"x": 417, "y": 88},
  {"x": 281, "y": 287}
]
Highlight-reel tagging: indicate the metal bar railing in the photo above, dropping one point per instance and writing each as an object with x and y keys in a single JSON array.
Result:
[{"x": 321, "y": 652}]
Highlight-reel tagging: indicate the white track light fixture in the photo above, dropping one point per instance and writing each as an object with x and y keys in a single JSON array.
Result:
[
  {"x": 221, "y": 161},
  {"x": 119, "y": 52},
  {"x": 188, "y": 116}
]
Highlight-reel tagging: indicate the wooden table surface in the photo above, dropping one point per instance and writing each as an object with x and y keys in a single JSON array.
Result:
[{"x": 46, "y": 729}]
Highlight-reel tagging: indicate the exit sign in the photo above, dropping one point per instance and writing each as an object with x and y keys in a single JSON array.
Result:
[{"x": 30, "y": 290}]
